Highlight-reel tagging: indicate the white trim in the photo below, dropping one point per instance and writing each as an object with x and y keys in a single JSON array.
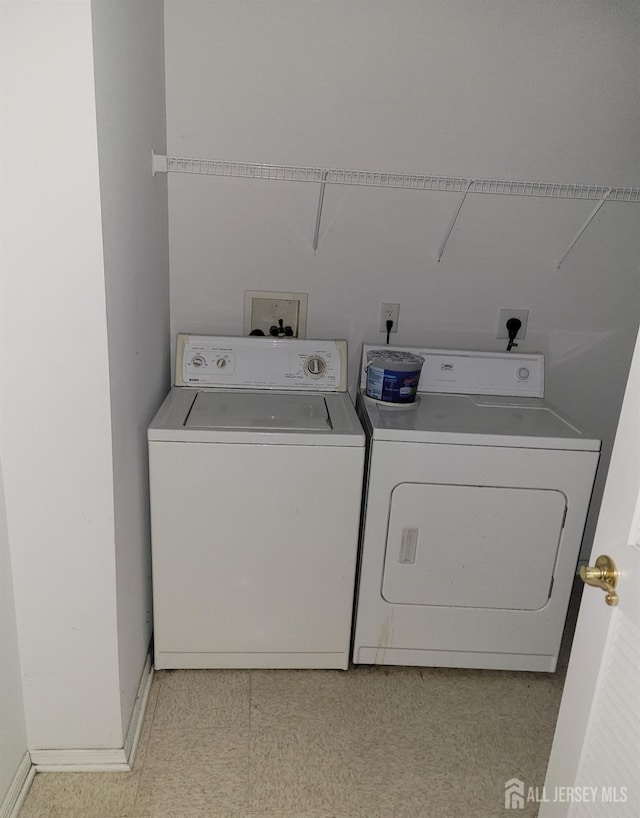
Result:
[
  {"x": 84, "y": 761},
  {"x": 118, "y": 759},
  {"x": 18, "y": 789},
  {"x": 139, "y": 709}
]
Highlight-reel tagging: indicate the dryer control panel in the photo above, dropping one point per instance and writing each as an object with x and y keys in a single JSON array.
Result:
[
  {"x": 261, "y": 363},
  {"x": 468, "y": 372}
]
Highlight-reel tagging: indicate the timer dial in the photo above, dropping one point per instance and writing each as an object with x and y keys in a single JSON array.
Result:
[{"x": 315, "y": 366}]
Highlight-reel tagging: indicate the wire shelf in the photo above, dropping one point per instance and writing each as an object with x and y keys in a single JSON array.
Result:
[{"x": 405, "y": 181}]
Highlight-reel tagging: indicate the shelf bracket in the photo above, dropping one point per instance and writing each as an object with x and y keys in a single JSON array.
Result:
[
  {"x": 586, "y": 224},
  {"x": 159, "y": 163},
  {"x": 316, "y": 233},
  {"x": 454, "y": 220}
]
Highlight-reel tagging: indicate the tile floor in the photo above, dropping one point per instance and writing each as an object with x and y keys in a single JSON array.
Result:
[{"x": 373, "y": 742}]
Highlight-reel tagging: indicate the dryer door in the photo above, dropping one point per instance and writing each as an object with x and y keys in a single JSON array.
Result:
[{"x": 472, "y": 546}]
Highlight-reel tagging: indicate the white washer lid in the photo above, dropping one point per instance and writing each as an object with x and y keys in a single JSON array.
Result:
[
  {"x": 230, "y": 410},
  {"x": 342, "y": 428}
]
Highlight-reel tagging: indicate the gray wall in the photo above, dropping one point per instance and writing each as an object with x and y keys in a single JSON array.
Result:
[
  {"x": 56, "y": 427},
  {"x": 83, "y": 352},
  {"x": 129, "y": 75},
  {"x": 498, "y": 89}
]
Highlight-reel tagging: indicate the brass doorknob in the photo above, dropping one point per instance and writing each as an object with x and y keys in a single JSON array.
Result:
[{"x": 603, "y": 574}]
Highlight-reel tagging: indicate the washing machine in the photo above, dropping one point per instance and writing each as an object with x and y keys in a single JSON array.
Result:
[
  {"x": 475, "y": 505},
  {"x": 256, "y": 465}
]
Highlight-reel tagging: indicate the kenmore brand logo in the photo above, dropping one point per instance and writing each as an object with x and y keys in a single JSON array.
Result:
[{"x": 446, "y": 367}]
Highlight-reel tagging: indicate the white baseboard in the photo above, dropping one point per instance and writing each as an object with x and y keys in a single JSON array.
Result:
[
  {"x": 139, "y": 708},
  {"x": 82, "y": 761},
  {"x": 18, "y": 789},
  {"x": 118, "y": 759}
]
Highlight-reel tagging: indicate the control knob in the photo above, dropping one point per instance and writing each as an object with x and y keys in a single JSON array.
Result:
[{"x": 315, "y": 366}]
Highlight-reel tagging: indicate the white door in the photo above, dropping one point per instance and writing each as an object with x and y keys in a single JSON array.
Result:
[{"x": 594, "y": 769}]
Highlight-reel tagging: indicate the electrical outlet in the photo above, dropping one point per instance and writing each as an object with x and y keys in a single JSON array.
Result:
[
  {"x": 263, "y": 310},
  {"x": 389, "y": 312},
  {"x": 504, "y": 315}
]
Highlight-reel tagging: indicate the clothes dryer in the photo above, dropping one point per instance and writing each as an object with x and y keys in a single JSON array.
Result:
[{"x": 476, "y": 501}]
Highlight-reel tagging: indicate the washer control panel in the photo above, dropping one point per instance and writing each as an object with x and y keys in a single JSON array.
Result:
[
  {"x": 261, "y": 363},
  {"x": 200, "y": 362}
]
